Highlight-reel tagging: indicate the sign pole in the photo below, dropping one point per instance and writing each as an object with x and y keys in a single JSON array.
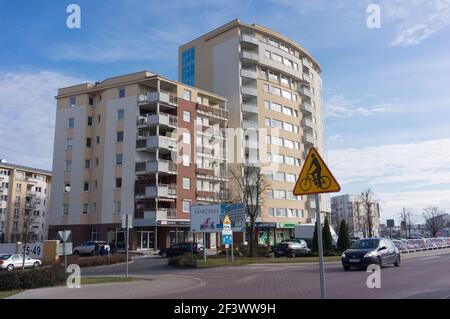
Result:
[
  {"x": 204, "y": 247},
  {"x": 65, "y": 254},
  {"x": 128, "y": 239},
  {"x": 320, "y": 244},
  {"x": 232, "y": 247}
]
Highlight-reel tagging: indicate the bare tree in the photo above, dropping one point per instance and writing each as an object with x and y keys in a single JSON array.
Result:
[
  {"x": 28, "y": 218},
  {"x": 251, "y": 185},
  {"x": 368, "y": 201},
  {"x": 408, "y": 218},
  {"x": 434, "y": 219}
]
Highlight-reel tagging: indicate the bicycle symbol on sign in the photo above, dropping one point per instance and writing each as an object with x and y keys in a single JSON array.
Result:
[{"x": 314, "y": 177}]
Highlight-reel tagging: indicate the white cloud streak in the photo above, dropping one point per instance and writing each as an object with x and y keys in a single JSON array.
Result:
[{"x": 337, "y": 106}]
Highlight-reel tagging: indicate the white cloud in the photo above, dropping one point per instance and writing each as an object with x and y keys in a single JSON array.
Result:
[
  {"x": 420, "y": 164},
  {"x": 337, "y": 106},
  {"x": 418, "y": 19},
  {"x": 27, "y": 115}
]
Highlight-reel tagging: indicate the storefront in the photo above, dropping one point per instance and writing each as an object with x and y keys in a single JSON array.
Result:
[{"x": 274, "y": 233}]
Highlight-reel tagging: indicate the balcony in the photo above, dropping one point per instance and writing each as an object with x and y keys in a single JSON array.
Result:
[
  {"x": 155, "y": 119},
  {"x": 204, "y": 171},
  {"x": 205, "y": 150},
  {"x": 152, "y": 167},
  {"x": 153, "y": 142},
  {"x": 213, "y": 132},
  {"x": 151, "y": 217},
  {"x": 307, "y": 123},
  {"x": 249, "y": 39},
  {"x": 212, "y": 111},
  {"x": 250, "y": 108},
  {"x": 307, "y": 107},
  {"x": 306, "y": 77},
  {"x": 246, "y": 124},
  {"x": 153, "y": 97},
  {"x": 306, "y": 92},
  {"x": 159, "y": 190},
  {"x": 248, "y": 73},
  {"x": 249, "y": 90},
  {"x": 3, "y": 217},
  {"x": 212, "y": 196},
  {"x": 309, "y": 138},
  {"x": 248, "y": 55}
]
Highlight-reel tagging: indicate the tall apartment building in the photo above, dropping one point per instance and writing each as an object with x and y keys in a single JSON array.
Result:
[
  {"x": 136, "y": 144},
  {"x": 273, "y": 85},
  {"x": 24, "y": 192},
  {"x": 351, "y": 208}
]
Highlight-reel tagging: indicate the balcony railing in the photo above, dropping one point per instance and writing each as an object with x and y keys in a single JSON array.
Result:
[
  {"x": 308, "y": 123},
  {"x": 158, "y": 190},
  {"x": 249, "y": 38},
  {"x": 306, "y": 77},
  {"x": 307, "y": 107},
  {"x": 162, "y": 166},
  {"x": 250, "y": 108},
  {"x": 161, "y": 118},
  {"x": 246, "y": 124},
  {"x": 212, "y": 111},
  {"x": 309, "y": 138},
  {"x": 248, "y": 55},
  {"x": 205, "y": 150},
  {"x": 306, "y": 92},
  {"x": 251, "y": 74},
  {"x": 157, "y": 141},
  {"x": 249, "y": 90},
  {"x": 162, "y": 96}
]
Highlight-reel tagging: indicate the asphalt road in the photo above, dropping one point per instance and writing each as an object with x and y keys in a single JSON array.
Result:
[{"x": 421, "y": 275}]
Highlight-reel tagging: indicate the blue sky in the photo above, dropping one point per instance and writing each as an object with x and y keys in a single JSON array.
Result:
[{"x": 386, "y": 91}]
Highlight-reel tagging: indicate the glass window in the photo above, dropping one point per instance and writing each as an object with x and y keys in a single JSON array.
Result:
[
  {"x": 186, "y": 183},
  {"x": 287, "y": 62},
  {"x": 69, "y": 144},
  {"x": 266, "y": 88},
  {"x": 89, "y": 121},
  {"x": 287, "y": 95},
  {"x": 119, "y": 158},
  {"x": 87, "y": 164},
  {"x": 186, "y": 138},
  {"x": 287, "y": 110},
  {"x": 186, "y": 206},
  {"x": 273, "y": 42},
  {"x": 86, "y": 187},
  {"x": 120, "y": 114},
  {"x": 71, "y": 123},
  {"x": 273, "y": 76},
  {"x": 267, "y": 105},
  {"x": 284, "y": 80},
  {"x": 68, "y": 165},
  {"x": 277, "y": 140},
  {"x": 118, "y": 182},
  {"x": 188, "y": 66},
  {"x": 277, "y": 58},
  {"x": 187, "y": 95},
  {"x": 117, "y": 206},
  {"x": 67, "y": 188},
  {"x": 186, "y": 160},
  {"x": 276, "y": 107},
  {"x": 65, "y": 209},
  {"x": 186, "y": 116},
  {"x": 275, "y": 90},
  {"x": 271, "y": 212},
  {"x": 121, "y": 92},
  {"x": 119, "y": 136},
  {"x": 72, "y": 102},
  {"x": 267, "y": 54}
]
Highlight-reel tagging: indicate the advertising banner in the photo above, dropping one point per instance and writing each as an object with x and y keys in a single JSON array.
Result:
[{"x": 209, "y": 218}]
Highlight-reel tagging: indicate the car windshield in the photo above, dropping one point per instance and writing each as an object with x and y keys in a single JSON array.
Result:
[
  {"x": 366, "y": 244},
  {"x": 4, "y": 257}
]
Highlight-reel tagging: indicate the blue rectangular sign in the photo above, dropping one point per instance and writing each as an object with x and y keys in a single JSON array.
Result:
[{"x": 227, "y": 239}]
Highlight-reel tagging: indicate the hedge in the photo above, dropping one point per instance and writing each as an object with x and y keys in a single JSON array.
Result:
[
  {"x": 94, "y": 260},
  {"x": 33, "y": 278}
]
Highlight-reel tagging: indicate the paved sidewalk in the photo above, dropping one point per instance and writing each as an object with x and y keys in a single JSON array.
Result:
[{"x": 144, "y": 288}]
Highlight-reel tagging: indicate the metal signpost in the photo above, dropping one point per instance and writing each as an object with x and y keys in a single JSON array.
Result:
[
  {"x": 127, "y": 224},
  {"x": 64, "y": 235},
  {"x": 227, "y": 236},
  {"x": 315, "y": 178}
]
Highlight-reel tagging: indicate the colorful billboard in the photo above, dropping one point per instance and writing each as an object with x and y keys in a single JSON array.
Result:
[{"x": 209, "y": 218}]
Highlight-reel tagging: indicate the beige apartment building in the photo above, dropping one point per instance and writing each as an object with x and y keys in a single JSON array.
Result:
[
  {"x": 136, "y": 144},
  {"x": 274, "y": 88},
  {"x": 24, "y": 194}
]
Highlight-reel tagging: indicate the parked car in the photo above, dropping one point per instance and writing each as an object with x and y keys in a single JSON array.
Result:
[
  {"x": 297, "y": 240},
  {"x": 364, "y": 252},
  {"x": 91, "y": 248},
  {"x": 182, "y": 248},
  {"x": 291, "y": 249},
  {"x": 15, "y": 261}
]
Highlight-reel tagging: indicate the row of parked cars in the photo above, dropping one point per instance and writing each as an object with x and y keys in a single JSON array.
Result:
[
  {"x": 15, "y": 261},
  {"x": 410, "y": 245}
]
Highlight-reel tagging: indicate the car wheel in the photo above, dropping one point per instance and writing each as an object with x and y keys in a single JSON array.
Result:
[
  {"x": 397, "y": 262},
  {"x": 10, "y": 267},
  {"x": 36, "y": 264},
  {"x": 379, "y": 261},
  {"x": 293, "y": 254},
  {"x": 76, "y": 253},
  {"x": 346, "y": 268},
  {"x": 164, "y": 255}
]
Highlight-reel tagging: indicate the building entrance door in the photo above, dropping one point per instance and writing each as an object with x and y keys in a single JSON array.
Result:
[{"x": 147, "y": 240}]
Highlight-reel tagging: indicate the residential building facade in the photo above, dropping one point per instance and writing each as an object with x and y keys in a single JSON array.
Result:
[
  {"x": 136, "y": 144},
  {"x": 24, "y": 195},
  {"x": 351, "y": 208},
  {"x": 274, "y": 92}
]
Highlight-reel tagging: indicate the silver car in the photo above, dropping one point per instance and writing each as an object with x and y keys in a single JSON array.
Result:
[
  {"x": 15, "y": 261},
  {"x": 90, "y": 248}
]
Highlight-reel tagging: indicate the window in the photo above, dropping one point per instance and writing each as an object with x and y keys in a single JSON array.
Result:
[
  {"x": 89, "y": 121},
  {"x": 186, "y": 206},
  {"x": 186, "y": 116},
  {"x": 273, "y": 42},
  {"x": 199, "y": 99},
  {"x": 87, "y": 164},
  {"x": 66, "y": 209},
  {"x": 118, "y": 182},
  {"x": 120, "y": 137},
  {"x": 267, "y": 54},
  {"x": 277, "y": 124},
  {"x": 277, "y": 140},
  {"x": 97, "y": 139},
  {"x": 287, "y": 95},
  {"x": 289, "y": 144},
  {"x": 273, "y": 76},
  {"x": 86, "y": 187},
  {"x": 287, "y": 110},
  {"x": 72, "y": 102},
  {"x": 186, "y": 138},
  {"x": 69, "y": 144},
  {"x": 187, "y": 95},
  {"x": 68, "y": 165},
  {"x": 119, "y": 158},
  {"x": 99, "y": 118},
  {"x": 88, "y": 142},
  {"x": 96, "y": 161},
  {"x": 287, "y": 62},
  {"x": 85, "y": 208},
  {"x": 276, "y": 91},
  {"x": 117, "y": 206},
  {"x": 95, "y": 184},
  {"x": 67, "y": 188},
  {"x": 186, "y": 160},
  {"x": 93, "y": 207},
  {"x": 186, "y": 183},
  {"x": 271, "y": 212},
  {"x": 267, "y": 105},
  {"x": 277, "y": 58},
  {"x": 91, "y": 101},
  {"x": 121, "y": 93},
  {"x": 275, "y": 107},
  {"x": 120, "y": 114},
  {"x": 266, "y": 88},
  {"x": 284, "y": 80},
  {"x": 188, "y": 66},
  {"x": 71, "y": 123}
]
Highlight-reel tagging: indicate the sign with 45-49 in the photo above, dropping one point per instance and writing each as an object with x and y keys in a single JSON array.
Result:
[{"x": 34, "y": 250}]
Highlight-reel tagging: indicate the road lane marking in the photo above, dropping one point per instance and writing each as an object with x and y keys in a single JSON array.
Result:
[{"x": 432, "y": 257}]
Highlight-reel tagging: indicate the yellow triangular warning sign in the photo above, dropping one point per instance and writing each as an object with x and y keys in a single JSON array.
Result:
[
  {"x": 315, "y": 177},
  {"x": 226, "y": 220}
]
